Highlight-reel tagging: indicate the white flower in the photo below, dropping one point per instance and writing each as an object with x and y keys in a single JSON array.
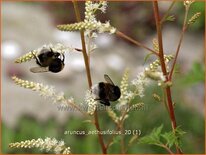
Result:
[
  {"x": 187, "y": 3},
  {"x": 140, "y": 82},
  {"x": 113, "y": 30},
  {"x": 66, "y": 151},
  {"x": 91, "y": 102},
  {"x": 48, "y": 144},
  {"x": 155, "y": 75},
  {"x": 124, "y": 89},
  {"x": 44, "y": 90},
  {"x": 59, "y": 147},
  {"x": 129, "y": 95},
  {"x": 106, "y": 27},
  {"x": 104, "y": 6},
  {"x": 90, "y": 21}
]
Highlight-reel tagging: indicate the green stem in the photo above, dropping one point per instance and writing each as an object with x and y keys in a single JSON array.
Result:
[
  {"x": 86, "y": 61},
  {"x": 122, "y": 144},
  {"x": 166, "y": 148}
]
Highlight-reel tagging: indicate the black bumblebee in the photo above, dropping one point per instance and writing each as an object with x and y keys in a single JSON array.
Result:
[
  {"x": 106, "y": 91},
  {"x": 48, "y": 60}
]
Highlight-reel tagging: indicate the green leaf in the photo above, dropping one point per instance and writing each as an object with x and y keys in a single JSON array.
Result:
[
  {"x": 173, "y": 138},
  {"x": 153, "y": 137},
  {"x": 179, "y": 133},
  {"x": 156, "y": 137},
  {"x": 170, "y": 138}
]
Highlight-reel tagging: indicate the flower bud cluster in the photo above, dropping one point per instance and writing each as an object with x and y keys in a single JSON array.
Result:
[{"x": 47, "y": 144}]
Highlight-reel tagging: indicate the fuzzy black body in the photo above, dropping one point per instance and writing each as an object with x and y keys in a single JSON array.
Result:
[
  {"x": 49, "y": 59},
  {"x": 45, "y": 57},
  {"x": 106, "y": 92}
]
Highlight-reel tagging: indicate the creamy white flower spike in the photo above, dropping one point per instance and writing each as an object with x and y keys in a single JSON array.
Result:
[
  {"x": 140, "y": 82},
  {"x": 47, "y": 144},
  {"x": 91, "y": 102},
  {"x": 124, "y": 90},
  {"x": 113, "y": 115},
  {"x": 90, "y": 22},
  {"x": 44, "y": 90},
  {"x": 92, "y": 7},
  {"x": 152, "y": 72}
]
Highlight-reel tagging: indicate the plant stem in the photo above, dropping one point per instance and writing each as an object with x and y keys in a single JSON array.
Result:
[
  {"x": 122, "y": 139},
  {"x": 164, "y": 100},
  {"x": 121, "y": 122},
  {"x": 86, "y": 61},
  {"x": 184, "y": 28},
  {"x": 104, "y": 150},
  {"x": 119, "y": 127},
  {"x": 163, "y": 66},
  {"x": 165, "y": 147},
  {"x": 159, "y": 34},
  {"x": 78, "y": 17},
  {"x": 122, "y": 35},
  {"x": 77, "y": 108}
]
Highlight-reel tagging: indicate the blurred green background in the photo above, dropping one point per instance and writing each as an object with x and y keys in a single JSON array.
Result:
[{"x": 136, "y": 20}]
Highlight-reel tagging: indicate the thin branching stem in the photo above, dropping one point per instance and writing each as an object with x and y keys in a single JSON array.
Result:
[
  {"x": 166, "y": 148},
  {"x": 163, "y": 67},
  {"x": 122, "y": 35},
  {"x": 184, "y": 28},
  {"x": 86, "y": 61},
  {"x": 120, "y": 123},
  {"x": 110, "y": 141},
  {"x": 122, "y": 139},
  {"x": 119, "y": 126},
  {"x": 77, "y": 108}
]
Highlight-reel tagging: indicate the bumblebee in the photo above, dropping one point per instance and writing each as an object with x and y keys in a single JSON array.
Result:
[
  {"x": 106, "y": 91},
  {"x": 48, "y": 60}
]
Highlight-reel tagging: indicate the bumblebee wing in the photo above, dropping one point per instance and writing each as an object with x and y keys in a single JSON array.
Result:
[
  {"x": 39, "y": 69},
  {"x": 105, "y": 102},
  {"x": 107, "y": 78}
]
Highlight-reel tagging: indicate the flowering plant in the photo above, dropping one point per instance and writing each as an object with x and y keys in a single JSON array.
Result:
[{"x": 159, "y": 72}]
